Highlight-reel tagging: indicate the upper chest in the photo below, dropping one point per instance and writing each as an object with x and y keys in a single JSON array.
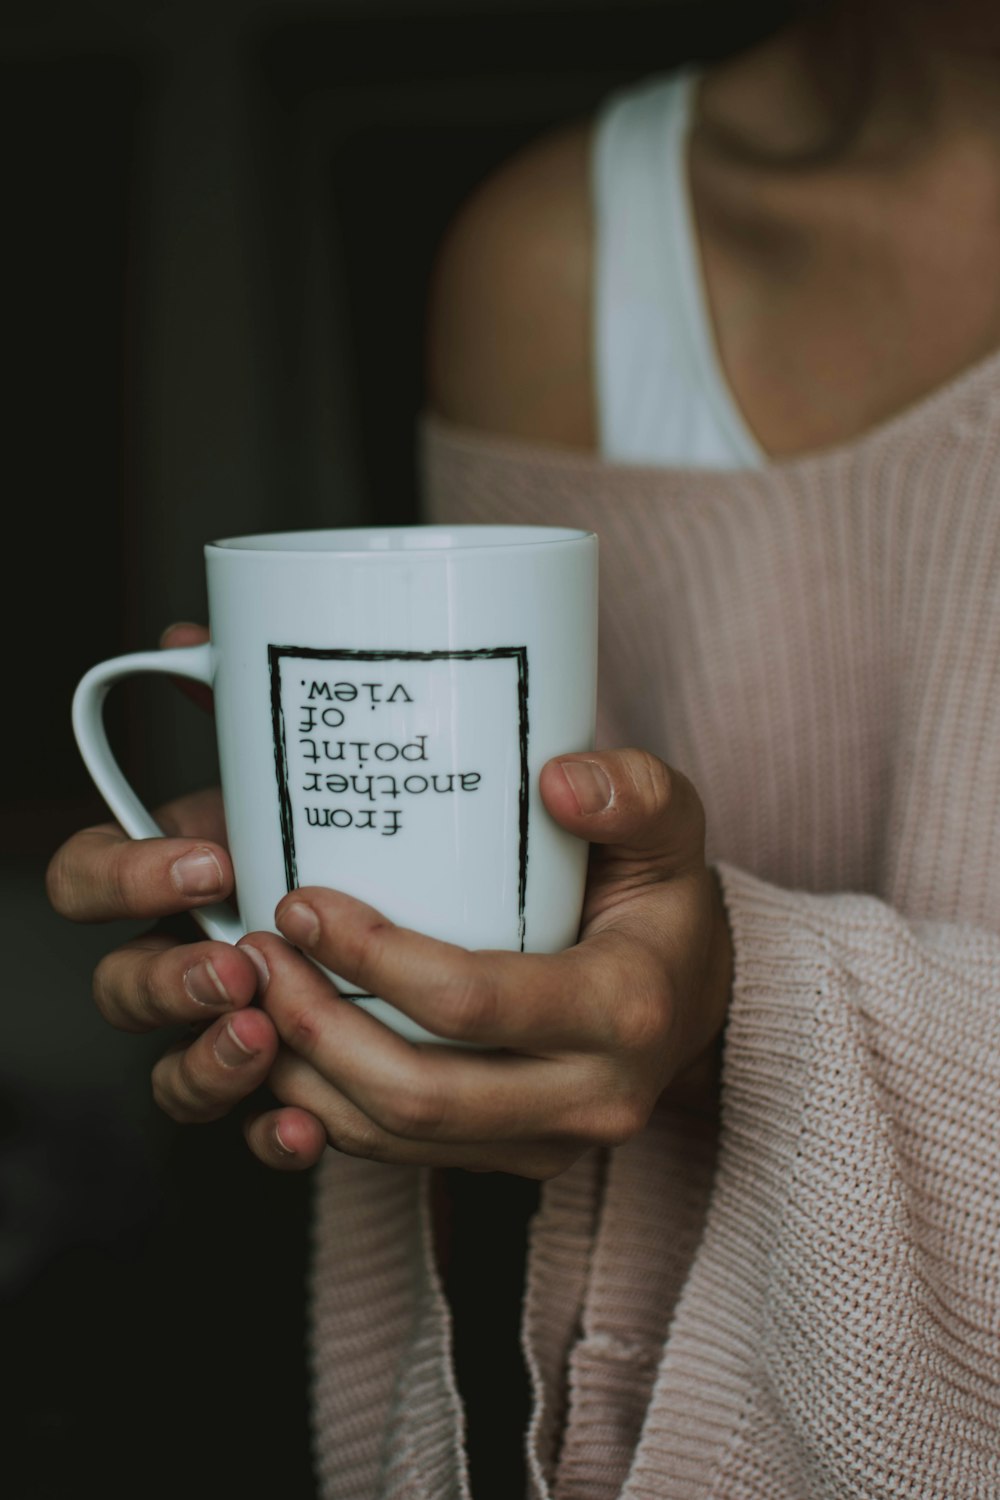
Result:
[
  {"x": 818, "y": 648},
  {"x": 839, "y": 299}
]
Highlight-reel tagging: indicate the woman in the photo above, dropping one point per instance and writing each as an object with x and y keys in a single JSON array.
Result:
[{"x": 791, "y": 369}]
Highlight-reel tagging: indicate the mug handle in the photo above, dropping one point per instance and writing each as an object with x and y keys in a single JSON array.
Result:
[{"x": 194, "y": 662}]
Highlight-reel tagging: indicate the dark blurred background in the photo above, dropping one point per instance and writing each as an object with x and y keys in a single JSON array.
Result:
[{"x": 219, "y": 219}]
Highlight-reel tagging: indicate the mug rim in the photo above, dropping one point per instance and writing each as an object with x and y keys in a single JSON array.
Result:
[{"x": 430, "y": 541}]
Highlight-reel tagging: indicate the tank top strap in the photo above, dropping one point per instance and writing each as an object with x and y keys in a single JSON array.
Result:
[{"x": 662, "y": 396}]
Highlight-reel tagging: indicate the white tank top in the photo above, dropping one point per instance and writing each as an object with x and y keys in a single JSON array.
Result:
[{"x": 662, "y": 395}]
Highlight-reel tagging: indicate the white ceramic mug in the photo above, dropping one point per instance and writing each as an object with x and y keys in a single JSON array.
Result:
[{"x": 385, "y": 699}]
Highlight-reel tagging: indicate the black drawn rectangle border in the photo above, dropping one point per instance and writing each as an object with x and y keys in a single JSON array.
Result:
[{"x": 518, "y": 654}]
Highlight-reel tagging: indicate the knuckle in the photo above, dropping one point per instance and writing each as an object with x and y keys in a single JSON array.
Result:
[
  {"x": 641, "y": 1025},
  {"x": 144, "y": 995},
  {"x": 652, "y": 780},
  {"x": 621, "y": 1123},
  {"x": 135, "y": 883},
  {"x": 75, "y": 875},
  {"x": 120, "y": 879},
  {"x": 369, "y": 942},
  {"x": 165, "y": 1095},
  {"x": 467, "y": 1006},
  {"x": 641, "y": 1022},
  {"x": 126, "y": 991},
  {"x": 107, "y": 995},
  {"x": 103, "y": 990},
  {"x": 194, "y": 1094},
  {"x": 415, "y": 1111},
  {"x": 129, "y": 985},
  {"x": 609, "y": 1112},
  {"x": 285, "y": 1079},
  {"x": 658, "y": 794},
  {"x": 357, "y": 1138},
  {"x": 62, "y": 882},
  {"x": 300, "y": 1029}
]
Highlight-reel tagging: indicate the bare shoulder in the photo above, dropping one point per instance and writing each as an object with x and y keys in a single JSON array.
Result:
[{"x": 509, "y": 317}]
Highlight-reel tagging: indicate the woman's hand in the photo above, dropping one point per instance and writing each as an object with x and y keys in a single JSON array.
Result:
[
  {"x": 101, "y": 875},
  {"x": 582, "y": 1043}
]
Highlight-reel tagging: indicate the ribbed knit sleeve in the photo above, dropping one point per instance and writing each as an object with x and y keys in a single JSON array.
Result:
[
  {"x": 839, "y": 1334},
  {"x": 387, "y": 1419},
  {"x": 810, "y": 1306}
]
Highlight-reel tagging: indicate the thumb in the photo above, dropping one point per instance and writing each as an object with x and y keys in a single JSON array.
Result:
[{"x": 628, "y": 800}]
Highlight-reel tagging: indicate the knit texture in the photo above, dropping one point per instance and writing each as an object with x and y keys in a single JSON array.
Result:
[{"x": 801, "y": 1298}]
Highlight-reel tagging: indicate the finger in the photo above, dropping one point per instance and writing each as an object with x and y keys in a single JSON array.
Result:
[
  {"x": 432, "y": 1093},
  {"x": 185, "y": 633},
  {"x": 531, "y": 1002},
  {"x": 351, "y": 1131},
  {"x": 198, "y": 815},
  {"x": 290, "y": 1140},
  {"x": 101, "y": 875},
  {"x": 630, "y": 801},
  {"x": 202, "y": 1080},
  {"x": 154, "y": 982}
]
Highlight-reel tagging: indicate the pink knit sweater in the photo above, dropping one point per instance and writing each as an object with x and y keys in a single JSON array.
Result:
[{"x": 801, "y": 1299}]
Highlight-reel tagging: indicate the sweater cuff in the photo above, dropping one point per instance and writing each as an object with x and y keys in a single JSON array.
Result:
[{"x": 782, "y": 973}]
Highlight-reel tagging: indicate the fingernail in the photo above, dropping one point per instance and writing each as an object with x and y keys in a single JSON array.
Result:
[
  {"x": 260, "y": 964},
  {"x": 197, "y": 874},
  {"x": 204, "y": 985},
  {"x": 279, "y": 1143},
  {"x": 230, "y": 1051},
  {"x": 588, "y": 783},
  {"x": 300, "y": 923}
]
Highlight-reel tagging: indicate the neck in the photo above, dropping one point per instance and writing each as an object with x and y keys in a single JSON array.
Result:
[{"x": 878, "y": 82}]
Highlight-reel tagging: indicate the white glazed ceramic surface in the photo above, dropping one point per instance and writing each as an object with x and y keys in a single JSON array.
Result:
[{"x": 385, "y": 700}]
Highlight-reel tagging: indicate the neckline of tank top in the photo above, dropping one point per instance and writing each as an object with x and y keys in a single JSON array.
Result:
[{"x": 948, "y": 412}]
